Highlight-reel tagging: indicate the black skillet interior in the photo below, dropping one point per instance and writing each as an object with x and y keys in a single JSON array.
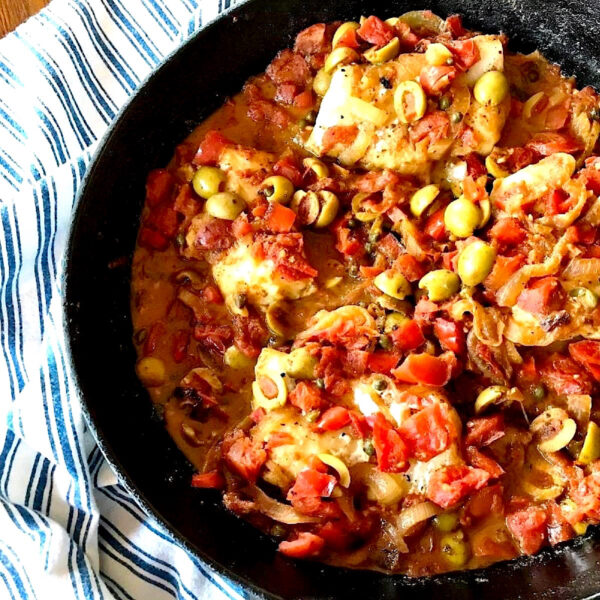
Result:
[{"x": 193, "y": 83}]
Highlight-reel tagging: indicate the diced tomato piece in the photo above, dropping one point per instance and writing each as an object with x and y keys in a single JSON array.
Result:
[
  {"x": 334, "y": 418},
  {"x": 159, "y": 187},
  {"x": 185, "y": 202},
  {"x": 304, "y": 100},
  {"x": 375, "y": 31},
  {"x": 241, "y": 227},
  {"x": 244, "y": 456},
  {"x": 583, "y": 233},
  {"x": 408, "y": 335},
  {"x": 338, "y": 134},
  {"x": 427, "y": 432},
  {"x": 286, "y": 92},
  {"x": 280, "y": 438},
  {"x": 261, "y": 110},
  {"x": 306, "y": 396},
  {"x": 383, "y": 362},
  {"x": 549, "y": 143},
  {"x": 450, "y": 335},
  {"x": 149, "y": 238},
  {"x": 286, "y": 250},
  {"x": 424, "y": 368},
  {"x": 392, "y": 453},
  {"x": 164, "y": 219},
  {"x": 486, "y": 501},
  {"x": 181, "y": 339},
  {"x": 482, "y": 461},
  {"x": 336, "y": 534},
  {"x": 305, "y": 545},
  {"x": 433, "y": 126},
  {"x": 347, "y": 241},
  {"x": 349, "y": 39},
  {"x": 558, "y": 202},
  {"x": 591, "y": 175},
  {"x": 210, "y": 479},
  {"x": 211, "y": 146},
  {"x": 528, "y": 527},
  {"x": 289, "y": 67},
  {"x": 214, "y": 234},
  {"x": 280, "y": 218},
  {"x": 563, "y": 375},
  {"x": 355, "y": 362},
  {"x": 466, "y": 53},
  {"x": 311, "y": 482},
  {"x": 312, "y": 40},
  {"x": 449, "y": 485},
  {"x": 482, "y": 431},
  {"x": 435, "y": 226},
  {"x": 410, "y": 267},
  {"x": 367, "y": 272},
  {"x": 212, "y": 294},
  {"x": 587, "y": 352},
  {"x": 359, "y": 424},
  {"x": 288, "y": 167},
  {"x": 250, "y": 334},
  {"x": 435, "y": 80},
  {"x": 503, "y": 268},
  {"x": 455, "y": 26},
  {"x": 542, "y": 296},
  {"x": 475, "y": 167},
  {"x": 508, "y": 231},
  {"x": 425, "y": 311},
  {"x": 258, "y": 414},
  {"x": 213, "y": 337}
]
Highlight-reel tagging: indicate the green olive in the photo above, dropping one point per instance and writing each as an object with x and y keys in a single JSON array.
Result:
[
  {"x": 380, "y": 55},
  {"x": 492, "y": 395},
  {"x": 207, "y": 181},
  {"x": 340, "y": 56},
  {"x": 462, "y": 217},
  {"x": 342, "y": 30},
  {"x": 446, "y": 522},
  {"x": 475, "y": 262},
  {"x": 321, "y": 82},
  {"x": 224, "y": 205},
  {"x": 277, "y": 189},
  {"x": 330, "y": 205},
  {"x": 301, "y": 364},
  {"x": 440, "y": 284},
  {"x": 491, "y": 88},
  {"x": 454, "y": 548},
  {"x": 393, "y": 284},
  {"x": 423, "y": 198},
  {"x": 236, "y": 359},
  {"x": 151, "y": 371},
  {"x": 437, "y": 54},
  {"x": 590, "y": 450},
  {"x": 394, "y": 320},
  {"x": 412, "y": 110},
  {"x": 318, "y": 167}
]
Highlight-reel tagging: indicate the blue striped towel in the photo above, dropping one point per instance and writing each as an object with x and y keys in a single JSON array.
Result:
[{"x": 68, "y": 530}]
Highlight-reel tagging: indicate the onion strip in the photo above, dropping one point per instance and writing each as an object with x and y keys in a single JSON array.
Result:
[{"x": 278, "y": 511}]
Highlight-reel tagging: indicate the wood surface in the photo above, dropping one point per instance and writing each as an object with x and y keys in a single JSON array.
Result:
[{"x": 14, "y": 12}]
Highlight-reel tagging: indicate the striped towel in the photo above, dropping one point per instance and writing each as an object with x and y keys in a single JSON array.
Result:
[{"x": 67, "y": 528}]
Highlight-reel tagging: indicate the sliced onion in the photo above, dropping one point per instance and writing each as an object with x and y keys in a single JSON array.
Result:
[
  {"x": 536, "y": 489},
  {"x": 283, "y": 513},
  {"x": 408, "y": 518},
  {"x": 582, "y": 269},
  {"x": 576, "y": 189}
]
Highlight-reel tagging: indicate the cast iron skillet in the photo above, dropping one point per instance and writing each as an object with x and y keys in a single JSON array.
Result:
[{"x": 186, "y": 89}]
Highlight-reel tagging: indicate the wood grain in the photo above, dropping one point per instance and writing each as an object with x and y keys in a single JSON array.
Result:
[{"x": 14, "y": 12}]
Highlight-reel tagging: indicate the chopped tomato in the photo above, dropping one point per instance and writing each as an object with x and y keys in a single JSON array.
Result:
[
  {"x": 347, "y": 240},
  {"x": 508, "y": 231},
  {"x": 212, "y": 294},
  {"x": 349, "y": 39},
  {"x": 305, "y": 545},
  {"x": 289, "y": 67},
  {"x": 165, "y": 219},
  {"x": 261, "y": 110},
  {"x": 392, "y": 453},
  {"x": 424, "y": 368},
  {"x": 186, "y": 203},
  {"x": 482, "y": 431},
  {"x": 435, "y": 80},
  {"x": 311, "y": 482},
  {"x": 558, "y": 202},
  {"x": 153, "y": 337},
  {"x": 181, "y": 339},
  {"x": 286, "y": 92},
  {"x": 375, "y": 31},
  {"x": 563, "y": 375},
  {"x": 466, "y": 52},
  {"x": 213, "y": 234},
  {"x": 210, "y": 479},
  {"x": 449, "y": 485},
  {"x": 306, "y": 396},
  {"x": 334, "y": 418},
  {"x": 241, "y": 227},
  {"x": 587, "y": 353},
  {"x": 304, "y": 100},
  {"x": 475, "y": 168},
  {"x": 425, "y": 311},
  {"x": 288, "y": 167},
  {"x": 432, "y": 127},
  {"x": 408, "y": 335},
  {"x": 210, "y": 148},
  {"x": 213, "y": 337},
  {"x": 427, "y": 432},
  {"x": 487, "y": 500},
  {"x": 279, "y": 438},
  {"x": 244, "y": 456},
  {"x": 591, "y": 175},
  {"x": 549, "y": 143},
  {"x": 250, "y": 334},
  {"x": 450, "y": 335},
  {"x": 503, "y": 268},
  {"x": 542, "y": 296},
  {"x": 528, "y": 527},
  {"x": 455, "y": 26},
  {"x": 286, "y": 250},
  {"x": 435, "y": 226},
  {"x": 336, "y": 534},
  {"x": 280, "y": 218},
  {"x": 338, "y": 134},
  {"x": 382, "y": 362},
  {"x": 359, "y": 424},
  {"x": 355, "y": 362},
  {"x": 159, "y": 187},
  {"x": 367, "y": 272},
  {"x": 312, "y": 40},
  {"x": 482, "y": 461},
  {"x": 410, "y": 267}
]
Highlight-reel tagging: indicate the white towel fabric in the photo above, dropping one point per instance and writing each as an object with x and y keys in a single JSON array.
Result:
[{"x": 68, "y": 530}]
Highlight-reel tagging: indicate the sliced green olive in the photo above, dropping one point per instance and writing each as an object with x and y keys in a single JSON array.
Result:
[
  {"x": 318, "y": 167},
  {"x": 437, "y": 54},
  {"x": 423, "y": 198},
  {"x": 275, "y": 317},
  {"x": 475, "y": 262},
  {"x": 454, "y": 549},
  {"x": 277, "y": 189},
  {"x": 321, "y": 82},
  {"x": 555, "y": 429},
  {"x": 208, "y": 181},
  {"x": 491, "y": 88},
  {"x": 490, "y": 396},
  {"x": 302, "y": 364},
  {"x": 393, "y": 284},
  {"x": 462, "y": 217},
  {"x": 365, "y": 216},
  {"x": 306, "y": 206},
  {"x": 494, "y": 169},
  {"x": 337, "y": 465},
  {"x": 151, "y": 371},
  {"x": 446, "y": 522},
  {"x": 486, "y": 212},
  {"x": 342, "y": 30},
  {"x": 224, "y": 205},
  {"x": 394, "y": 320},
  {"x": 236, "y": 359},
  {"x": 410, "y": 101},
  {"x": 590, "y": 450},
  {"x": 339, "y": 56},
  {"x": 381, "y": 55},
  {"x": 329, "y": 206},
  {"x": 585, "y": 297},
  {"x": 440, "y": 284}
]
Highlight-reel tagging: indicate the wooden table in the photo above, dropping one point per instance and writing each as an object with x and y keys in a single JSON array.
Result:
[{"x": 14, "y": 12}]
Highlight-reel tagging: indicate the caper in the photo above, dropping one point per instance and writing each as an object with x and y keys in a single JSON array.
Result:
[
  {"x": 277, "y": 189},
  {"x": 224, "y": 205},
  {"x": 385, "y": 341},
  {"x": 320, "y": 383},
  {"x": 456, "y": 117},
  {"x": 440, "y": 284},
  {"x": 491, "y": 88},
  {"x": 475, "y": 262},
  {"x": 538, "y": 391},
  {"x": 380, "y": 384},
  {"x": 445, "y": 103},
  {"x": 369, "y": 448},
  {"x": 462, "y": 217},
  {"x": 207, "y": 181},
  {"x": 352, "y": 224},
  {"x": 353, "y": 271}
]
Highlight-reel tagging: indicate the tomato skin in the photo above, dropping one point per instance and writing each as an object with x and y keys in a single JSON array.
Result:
[
  {"x": 450, "y": 484},
  {"x": 336, "y": 534},
  {"x": 455, "y": 26},
  {"x": 410, "y": 267},
  {"x": 408, "y": 335},
  {"x": 528, "y": 527},
  {"x": 305, "y": 545},
  {"x": 435, "y": 226},
  {"x": 392, "y": 453},
  {"x": 433, "y": 126},
  {"x": 587, "y": 353},
  {"x": 482, "y": 431},
  {"x": 243, "y": 456},
  {"x": 159, "y": 187},
  {"x": 208, "y": 480},
  {"x": 436, "y": 79},
  {"x": 549, "y": 143},
  {"x": 563, "y": 375},
  {"x": 359, "y": 423},
  {"x": 450, "y": 335},
  {"x": 375, "y": 31},
  {"x": 312, "y": 40},
  {"x": 427, "y": 432},
  {"x": 306, "y": 396},
  {"x": 181, "y": 339},
  {"x": 466, "y": 52},
  {"x": 154, "y": 240},
  {"x": 542, "y": 296},
  {"x": 503, "y": 268},
  {"x": 210, "y": 148},
  {"x": 424, "y": 368},
  {"x": 382, "y": 362},
  {"x": 334, "y": 418},
  {"x": 311, "y": 482},
  {"x": 288, "y": 167}
]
